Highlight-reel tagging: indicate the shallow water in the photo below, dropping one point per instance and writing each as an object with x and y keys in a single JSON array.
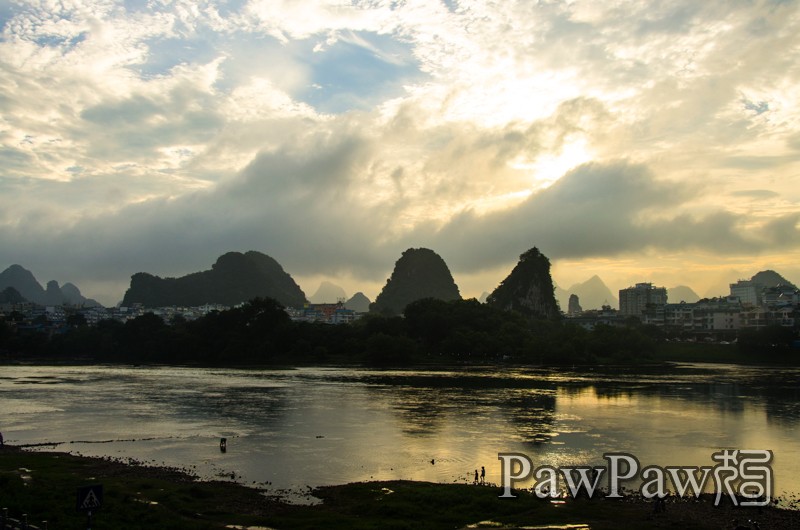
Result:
[{"x": 287, "y": 429}]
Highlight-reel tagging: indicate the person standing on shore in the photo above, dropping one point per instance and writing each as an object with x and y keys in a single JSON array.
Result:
[
  {"x": 2, "y": 443},
  {"x": 483, "y": 475}
]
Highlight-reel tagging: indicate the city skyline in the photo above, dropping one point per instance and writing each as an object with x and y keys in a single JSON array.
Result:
[{"x": 632, "y": 140}]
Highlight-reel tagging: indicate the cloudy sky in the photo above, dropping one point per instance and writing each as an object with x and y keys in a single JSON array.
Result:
[{"x": 637, "y": 140}]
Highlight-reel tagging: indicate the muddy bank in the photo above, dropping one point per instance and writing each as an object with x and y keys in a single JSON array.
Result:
[{"x": 44, "y": 484}]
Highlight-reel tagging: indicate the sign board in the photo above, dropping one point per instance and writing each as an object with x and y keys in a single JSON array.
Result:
[{"x": 90, "y": 498}]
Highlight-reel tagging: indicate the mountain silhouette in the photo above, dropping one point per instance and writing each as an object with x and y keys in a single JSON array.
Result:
[
  {"x": 593, "y": 294},
  {"x": 25, "y": 283},
  {"x": 419, "y": 273},
  {"x": 770, "y": 278},
  {"x": 358, "y": 303},
  {"x": 682, "y": 293},
  {"x": 9, "y": 295},
  {"x": 234, "y": 278},
  {"x": 528, "y": 289},
  {"x": 574, "y": 305},
  {"x": 328, "y": 293}
]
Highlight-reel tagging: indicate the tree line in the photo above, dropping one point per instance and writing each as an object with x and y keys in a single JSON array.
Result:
[{"x": 432, "y": 331}]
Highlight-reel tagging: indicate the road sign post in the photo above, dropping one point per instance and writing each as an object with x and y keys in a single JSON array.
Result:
[{"x": 89, "y": 500}]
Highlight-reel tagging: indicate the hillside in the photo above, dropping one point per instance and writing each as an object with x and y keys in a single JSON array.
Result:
[
  {"x": 23, "y": 281},
  {"x": 234, "y": 278},
  {"x": 26, "y": 285},
  {"x": 9, "y": 295},
  {"x": 770, "y": 278},
  {"x": 528, "y": 289},
  {"x": 419, "y": 273}
]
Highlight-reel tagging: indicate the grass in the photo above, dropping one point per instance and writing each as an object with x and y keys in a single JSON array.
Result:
[{"x": 44, "y": 485}]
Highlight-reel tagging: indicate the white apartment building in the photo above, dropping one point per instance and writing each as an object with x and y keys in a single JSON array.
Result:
[
  {"x": 634, "y": 301},
  {"x": 747, "y": 292}
]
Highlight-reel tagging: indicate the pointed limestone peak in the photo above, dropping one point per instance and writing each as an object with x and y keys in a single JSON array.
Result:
[
  {"x": 528, "y": 289},
  {"x": 358, "y": 303},
  {"x": 328, "y": 293},
  {"x": 419, "y": 273},
  {"x": 24, "y": 282}
]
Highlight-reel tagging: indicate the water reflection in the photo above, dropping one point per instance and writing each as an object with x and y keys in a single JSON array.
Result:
[
  {"x": 532, "y": 413},
  {"x": 313, "y": 426},
  {"x": 420, "y": 412}
]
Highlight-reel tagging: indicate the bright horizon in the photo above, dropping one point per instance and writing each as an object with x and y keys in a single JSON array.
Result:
[{"x": 634, "y": 140}]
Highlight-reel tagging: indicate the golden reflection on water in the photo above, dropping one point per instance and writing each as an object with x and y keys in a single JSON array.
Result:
[
  {"x": 316, "y": 426},
  {"x": 673, "y": 430}
]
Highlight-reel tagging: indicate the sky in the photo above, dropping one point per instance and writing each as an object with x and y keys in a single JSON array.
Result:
[{"x": 637, "y": 140}]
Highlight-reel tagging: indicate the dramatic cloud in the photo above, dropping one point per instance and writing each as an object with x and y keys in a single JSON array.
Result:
[{"x": 333, "y": 135}]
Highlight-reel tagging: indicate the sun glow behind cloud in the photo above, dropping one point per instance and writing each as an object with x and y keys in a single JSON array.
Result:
[
  {"x": 549, "y": 167},
  {"x": 334, "y": 134}
]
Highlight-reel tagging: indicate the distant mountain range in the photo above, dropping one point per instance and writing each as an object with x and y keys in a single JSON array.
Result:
[
  {"x": 24, "y": 283},
  {"x": 592, "y": 294},
  {"x": 238, "y": 277},
  {"x": 234, "y": 278}
]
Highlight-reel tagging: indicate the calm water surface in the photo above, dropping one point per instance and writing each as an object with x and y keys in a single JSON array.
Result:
[{"x": 289, "y": 429}]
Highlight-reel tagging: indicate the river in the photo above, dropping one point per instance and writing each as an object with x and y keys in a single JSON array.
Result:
[{"x": 289, "y": 429}]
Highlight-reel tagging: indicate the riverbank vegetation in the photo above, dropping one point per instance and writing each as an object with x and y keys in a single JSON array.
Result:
[
  {"x": 44, "y": 486},
  {"x": 431, "y": 332}
]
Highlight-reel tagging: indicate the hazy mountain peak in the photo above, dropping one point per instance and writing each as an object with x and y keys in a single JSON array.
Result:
[
  {"x": 328, "y": 293},
  {"x": 72, "y": 295},
  {"x": 9, "y": 295},
  {"x": 682, "y": 293},
  {"x": 770, "y": 278},
  {"x": 358, "y": 303},
  {"x": 593, "y": 294},
  {"x": 24, "y": 282}
]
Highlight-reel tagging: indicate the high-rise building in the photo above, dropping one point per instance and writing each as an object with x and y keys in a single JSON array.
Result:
[
  {"x": 747, "y": 292},
  {"x": 634, "y": 301}
]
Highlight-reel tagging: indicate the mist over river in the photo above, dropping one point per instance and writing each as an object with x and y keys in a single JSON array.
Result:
[{"x": 288, "y": 429}]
